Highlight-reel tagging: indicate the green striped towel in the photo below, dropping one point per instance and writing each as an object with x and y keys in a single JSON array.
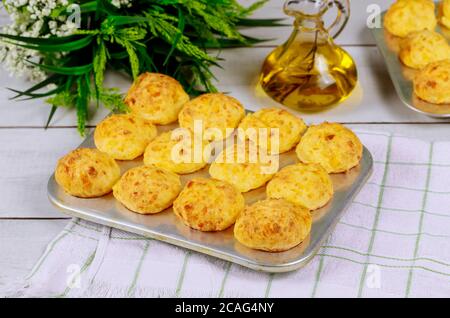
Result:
[{"x": 394, "y": 241}]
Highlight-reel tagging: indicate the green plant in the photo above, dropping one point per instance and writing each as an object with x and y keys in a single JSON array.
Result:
[{"x": 166, "y": 36}]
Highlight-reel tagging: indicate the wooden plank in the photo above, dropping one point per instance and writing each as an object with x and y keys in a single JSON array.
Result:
[
  {"x": 27, "y": 159},
  {"x": 428, "y": 132},
  {"x": 21, "y": 245},
  {"x": 374, "y": 101},
  {"x": 4, "y": 17},
  {"x": 30, "y": 156}
]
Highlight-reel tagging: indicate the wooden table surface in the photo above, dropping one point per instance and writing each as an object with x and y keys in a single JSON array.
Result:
[{"x": 28, "y": 153}]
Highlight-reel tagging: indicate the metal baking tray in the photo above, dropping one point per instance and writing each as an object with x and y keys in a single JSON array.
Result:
[
  {"x": 402, "y": 76},
  {"x": 166, "y": 227}
]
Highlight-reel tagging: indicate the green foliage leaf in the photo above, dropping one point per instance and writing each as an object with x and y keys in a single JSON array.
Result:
[
  {"x": 253, "y": 7},
  {"x": 49, "y": 80},
  {"x": 217, "y": 21},
  {"x": 105, "y": 7},
  {"x": 181, "y": 25},
  {"x": 63, "y": 99},
  {"x": 113, "y": 100},
  {"x": 99, "y": 64},
  {"x": 227, "y": 43},
  {"x": 40, "y": 41},
  {"x": 65, "y": 70},
  {"x": 82, "y": 102},
  {"x": 57, "y": 47},
  {"x": 36, "y": 95},
  {"x": 161, "y": 27},
  {"x": 123, "y": 20},
  {"x": 169, "y": 36},
  {"x": 134, "y": 60},
  {"x": 261, "y": 22},
  {"x": 119, "y": 55},
  {"x": 50, "y": 116},
  {"x": 88, "y": 7}
]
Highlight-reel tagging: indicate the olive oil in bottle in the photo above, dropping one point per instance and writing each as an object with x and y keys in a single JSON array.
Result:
[{"x": 309, "y": 72}]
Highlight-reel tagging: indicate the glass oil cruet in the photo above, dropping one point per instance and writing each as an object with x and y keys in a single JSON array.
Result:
[{"x": 310, "y": 72}]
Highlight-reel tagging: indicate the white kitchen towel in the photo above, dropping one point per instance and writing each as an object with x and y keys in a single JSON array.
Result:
[{"x": 394, "y": 241}]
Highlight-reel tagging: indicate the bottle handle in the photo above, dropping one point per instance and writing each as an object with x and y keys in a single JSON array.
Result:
[
  {"x": 305, "y": 8},
  {"x": 316, "y": 9},
  {"x": 343, "y": 15}
]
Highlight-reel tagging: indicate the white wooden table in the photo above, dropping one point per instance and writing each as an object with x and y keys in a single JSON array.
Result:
[{"x": 28, "y": 153}]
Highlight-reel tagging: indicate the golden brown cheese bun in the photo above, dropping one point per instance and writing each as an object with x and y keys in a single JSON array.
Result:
[
  {"x": 124, "y": 136},
  {"x": 157, "y": 98},
  {"x": 215, "y": 112},
  {"x": 176, "y": 152},
  {"x": 308, "y": 185},
  {"x": 290, "y": 128},
  {"x": 236, "y": 166},
  {"x": 208, "y": 204},
  {"x": 406, "y": 16},
  {"x": 273, "y": 225},
  {"x": 445, "y": 13},
  {"x": 423, "y": 47},
  {"x": 147, "y": 189},
  {"x": 87, "y": 173},
  {"x": 432, "y": 84},
  {"x": 333, "y": 146}
]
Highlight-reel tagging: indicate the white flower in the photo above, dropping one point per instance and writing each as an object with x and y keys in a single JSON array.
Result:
[
  {"x": 121, "y": 3},
  {"x": 28, "y": 18}
]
